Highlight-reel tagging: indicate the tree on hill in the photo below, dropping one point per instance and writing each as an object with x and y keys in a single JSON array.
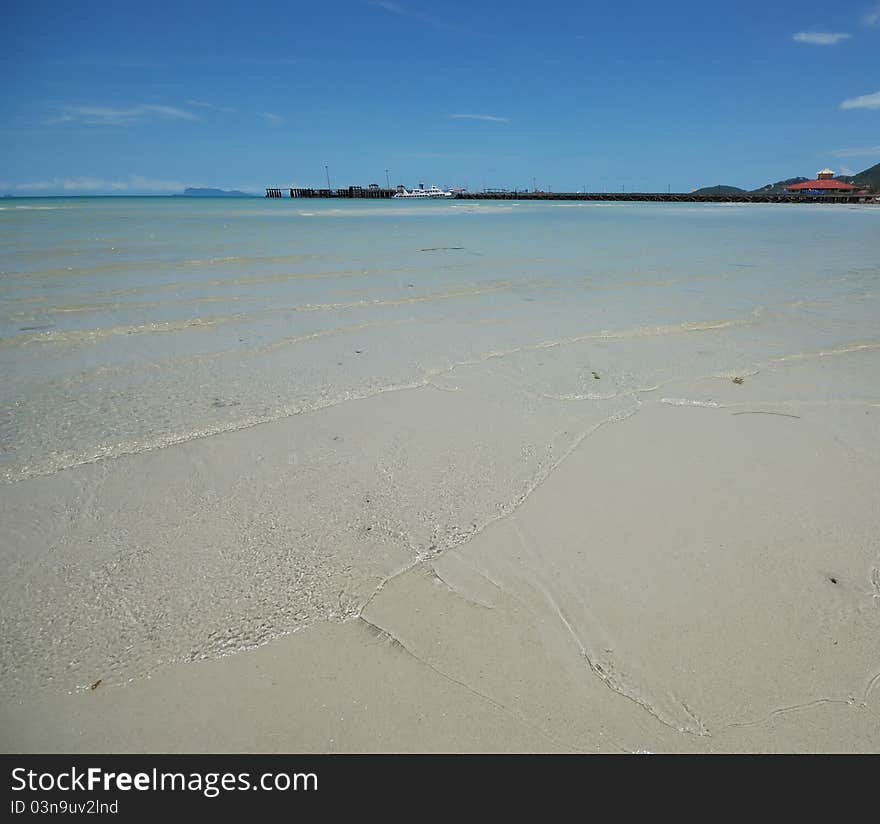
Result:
[
  {"x": 870, "y": 178},
  {"x": 779, "y": 187}
]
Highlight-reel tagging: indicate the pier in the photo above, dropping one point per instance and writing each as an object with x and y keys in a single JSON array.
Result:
[
  {"x": 374, "y": 192},
  {"x": 673, "y": 197}
]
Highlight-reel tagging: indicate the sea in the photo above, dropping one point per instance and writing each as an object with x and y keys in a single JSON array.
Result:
[{"x": 134, "y": 323}]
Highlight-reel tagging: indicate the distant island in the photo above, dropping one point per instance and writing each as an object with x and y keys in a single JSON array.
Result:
[{"x": 213, "y": 193}]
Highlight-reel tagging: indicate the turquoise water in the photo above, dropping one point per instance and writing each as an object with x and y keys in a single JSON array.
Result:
[{"x": 128, "y": 324}]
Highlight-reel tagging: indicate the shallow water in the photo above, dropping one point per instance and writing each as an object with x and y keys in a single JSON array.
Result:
[
  {"x": 131, "y": 323},
  {"x": 492, "y": 340}
]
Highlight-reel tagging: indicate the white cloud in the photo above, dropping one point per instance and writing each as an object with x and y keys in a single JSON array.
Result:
[
  {"x": 859, "y": 151},
  {"x": 866, "y": 101},
  {"x": 396, "y": 8},
  {"x": 872, "y": 16},
  {"x": 154, "y": 185},
  {"x": 133, "y": 183},
  {"x": 106, "y": 115},
  {"x": 274, "y": 119},
  {"x": 201, "y": 104},
  {"x": 820, "y": 38},
  {"x": 489, "y": 117}
]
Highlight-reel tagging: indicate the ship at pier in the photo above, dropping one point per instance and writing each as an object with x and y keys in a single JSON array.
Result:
[{"x": 422, "y": 192}]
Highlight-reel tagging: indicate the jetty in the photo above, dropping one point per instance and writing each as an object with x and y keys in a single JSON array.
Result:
[
  {"x": 670, "y": 197},
  {"x": 374, "y": 192},
  {"x": 352, "y": 191}
]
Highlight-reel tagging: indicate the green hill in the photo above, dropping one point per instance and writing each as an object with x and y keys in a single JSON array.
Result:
[
  {"x": 869, "y": 177},
  {"x": 719, "y": 190}
]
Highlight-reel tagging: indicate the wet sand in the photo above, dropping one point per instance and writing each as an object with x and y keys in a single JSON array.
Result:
[{"x": 692, "y": 567}]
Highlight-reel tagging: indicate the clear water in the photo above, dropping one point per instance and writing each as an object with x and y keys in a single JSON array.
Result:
[
  {"x": 128, "y": 324},
  {"x": 132, "y": 324}
]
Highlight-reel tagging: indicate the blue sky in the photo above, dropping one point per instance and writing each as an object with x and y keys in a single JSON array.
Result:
[{"x": 129, "y": 97}]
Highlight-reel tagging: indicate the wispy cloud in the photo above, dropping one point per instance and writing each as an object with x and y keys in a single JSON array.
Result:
[
  {"x": 866, "y": 101},
  {"x": 394, "y": 8},
  {"x": 858, "y": 151},
  {"x": 133, "y": 183},
  {"x": 438, "y": 155},
  {"x": 820, "y": 38},
  {"x": 262, "y": 60},
  {"x": 109, "y": 62},
  {"x": 489, "y": 117},
  {"x": 872, "y": 16},
  {"x": 109, "y": 116},
  {"x": 272, "y": 118},
  {"x": 201, "y": 104},
  {"x": 400, "y": 11}
]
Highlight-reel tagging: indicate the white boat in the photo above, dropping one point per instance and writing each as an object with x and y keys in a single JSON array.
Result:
[{"x": 423, "y": 192}]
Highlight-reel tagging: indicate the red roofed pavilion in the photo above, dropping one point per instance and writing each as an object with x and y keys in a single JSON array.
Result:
[{"x": 822, "y": 185}]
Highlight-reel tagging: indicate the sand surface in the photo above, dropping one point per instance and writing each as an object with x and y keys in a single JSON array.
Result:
[{"x": 691, "y": 567}]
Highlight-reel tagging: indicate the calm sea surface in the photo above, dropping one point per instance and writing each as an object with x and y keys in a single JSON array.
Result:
[{"x": 127, "y": 324}]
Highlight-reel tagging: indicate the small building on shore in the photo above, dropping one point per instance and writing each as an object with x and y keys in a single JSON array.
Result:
[{"x": 824, "y": 184}]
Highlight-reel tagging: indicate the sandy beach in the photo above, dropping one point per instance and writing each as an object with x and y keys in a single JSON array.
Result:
[
  {"x": 697, "y": 571},
  {"x": 290, "y": 489}
]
